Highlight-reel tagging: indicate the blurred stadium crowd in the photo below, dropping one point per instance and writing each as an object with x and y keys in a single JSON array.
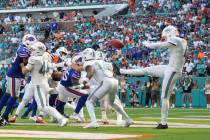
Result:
[
  {"x": 18, "y": 4},
  {"x": 190, "y": 16}
]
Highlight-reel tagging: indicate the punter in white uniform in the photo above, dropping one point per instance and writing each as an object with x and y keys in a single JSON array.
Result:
[
  {"x": 177, "y": 48},
  {"x": 108, "y": 85},
  {"x": 40, "y": 67}
]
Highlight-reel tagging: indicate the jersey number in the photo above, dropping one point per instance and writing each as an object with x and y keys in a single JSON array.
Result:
[
  {"x": 65, "y": 76},
  {"x": 44, "y": 68}
]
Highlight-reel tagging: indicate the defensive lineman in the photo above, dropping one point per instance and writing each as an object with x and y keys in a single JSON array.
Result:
[
  {"x": 69, "y": 86},
  {"x": 177, "y": 49},
  {"x": 15, "y": 75},
  {"x": 108, "y": 85},
  {"x": 40, "y": 68}
]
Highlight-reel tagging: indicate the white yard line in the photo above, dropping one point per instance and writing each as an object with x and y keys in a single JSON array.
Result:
[
  {"x": 64, "y": 135},
  {"x": 150, "y": 124},
  {"x": 180, "y": 118}
]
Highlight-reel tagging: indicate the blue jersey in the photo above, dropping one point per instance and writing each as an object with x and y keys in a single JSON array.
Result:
[
  {"x": 69, "y": 76},
  {"x": 15, "y": 70}
]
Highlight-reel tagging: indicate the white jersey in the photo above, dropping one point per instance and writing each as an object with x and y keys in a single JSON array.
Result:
[
  {"x": 101, "y": 69},
  {"x": 177, "y": 53},
  {"x": 40, "y": 69}
]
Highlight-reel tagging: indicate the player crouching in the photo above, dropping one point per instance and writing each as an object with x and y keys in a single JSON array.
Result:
[{"x": 69, "y": 86}]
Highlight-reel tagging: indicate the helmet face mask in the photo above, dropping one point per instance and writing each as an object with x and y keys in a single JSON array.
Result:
[
  {"x": 62, "y": 53},
  {"x": 88, "y": 54},
  {"x": 169, "y": 31},
  {"x": 38, "y": 49}
]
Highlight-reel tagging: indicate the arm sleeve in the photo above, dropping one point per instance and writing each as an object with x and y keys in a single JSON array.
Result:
[
  {"x": 167, "y": 44},
  {"x": 30, "y": 64}
]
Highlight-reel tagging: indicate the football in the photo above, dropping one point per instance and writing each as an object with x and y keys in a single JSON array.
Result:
[
  {"x": 56, "y": 75},
  {"x": 115, "y": 43}
]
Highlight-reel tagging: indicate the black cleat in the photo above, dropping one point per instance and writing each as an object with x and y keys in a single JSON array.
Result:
[
  {"x": 116, "y": 69},
  {"x": 3, "y": 122},
  {"x": 160, "y": 126}
]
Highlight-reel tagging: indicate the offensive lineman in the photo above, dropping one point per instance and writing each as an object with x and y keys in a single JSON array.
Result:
[
  {"x": 177, "y": 49},
  {"x": 40, "y": 67},
  {"x": 108, "y": 85}
]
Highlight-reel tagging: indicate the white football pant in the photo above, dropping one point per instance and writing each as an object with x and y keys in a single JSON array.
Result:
[{"x": 169, "y": 80}]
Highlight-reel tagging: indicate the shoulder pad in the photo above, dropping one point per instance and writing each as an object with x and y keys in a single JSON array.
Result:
[
  {"x": 32, "y": 60},
  {"x": 174, "y": 40}
]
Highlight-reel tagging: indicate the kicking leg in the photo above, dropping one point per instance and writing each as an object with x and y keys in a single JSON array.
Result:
[{"x": 157, "y": 71}]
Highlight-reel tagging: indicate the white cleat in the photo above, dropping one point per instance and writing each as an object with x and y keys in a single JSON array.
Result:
[
  {"x": 92, "y": 125},
  {"x": 128, "y": 123},
  {"x": 78, "y": 118},
  {"x": 34, "y": 118},
  {"x": 63, "y": 122}
]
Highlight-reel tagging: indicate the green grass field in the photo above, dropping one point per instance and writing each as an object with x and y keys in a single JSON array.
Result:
[{"x": 187, "y": 116}]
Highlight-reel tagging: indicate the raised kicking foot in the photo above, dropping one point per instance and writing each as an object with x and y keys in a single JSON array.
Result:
[
  {"x": 161, "y": 126},
  {"x": 92, "y": 125}
]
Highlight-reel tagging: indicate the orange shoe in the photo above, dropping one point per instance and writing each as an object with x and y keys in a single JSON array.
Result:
[
  {"x": 40, "y": 120},
  {"x": 13, "y": 119}
]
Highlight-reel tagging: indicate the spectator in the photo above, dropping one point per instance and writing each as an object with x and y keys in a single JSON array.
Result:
[
  {"x": 134, "y": 99},
  {"x": 207, "y": 93},
  {"x": 173, "y": 98},
  {"x": 1, "y": 29},
  {"x": 148, "y": 87},
  {"x": 123, "y": 88},
  {"x": 155, "y": 92},
  {"x": 201, "y": 69},
  {"x": 188, "y": 67},
  {"x": 186, "y": 84}
]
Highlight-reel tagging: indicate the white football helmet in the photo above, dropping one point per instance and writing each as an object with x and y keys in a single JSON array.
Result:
[
  {"x": 29, "y": 40},
  {"x": 99, "y": 55},
  {"x": 88, "y": 54},
  {"x": 77, "y": 59},
  {"x": 169, "y": 31},
  {"x": 62, "y": 52},
  {"x": 38, "y": 49}
]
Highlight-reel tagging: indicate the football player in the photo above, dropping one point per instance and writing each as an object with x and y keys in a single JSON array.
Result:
[
  {"x": 40, "y": 68},
  {"x": 15, "y": 74},
  {"x": 108, "y": 85},
  {"x": 177, "y": 50}
]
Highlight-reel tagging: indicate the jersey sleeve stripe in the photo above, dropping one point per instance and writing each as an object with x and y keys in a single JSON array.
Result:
[
  {"x": 172, "y": 43},
  {"x": 75, "y": 92}
]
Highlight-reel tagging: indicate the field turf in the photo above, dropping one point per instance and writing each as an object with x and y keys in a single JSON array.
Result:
[{"x": 187, "y": 116}]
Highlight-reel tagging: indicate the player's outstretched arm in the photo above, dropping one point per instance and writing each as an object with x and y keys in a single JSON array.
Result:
[{"x": 158, "y": 44}]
